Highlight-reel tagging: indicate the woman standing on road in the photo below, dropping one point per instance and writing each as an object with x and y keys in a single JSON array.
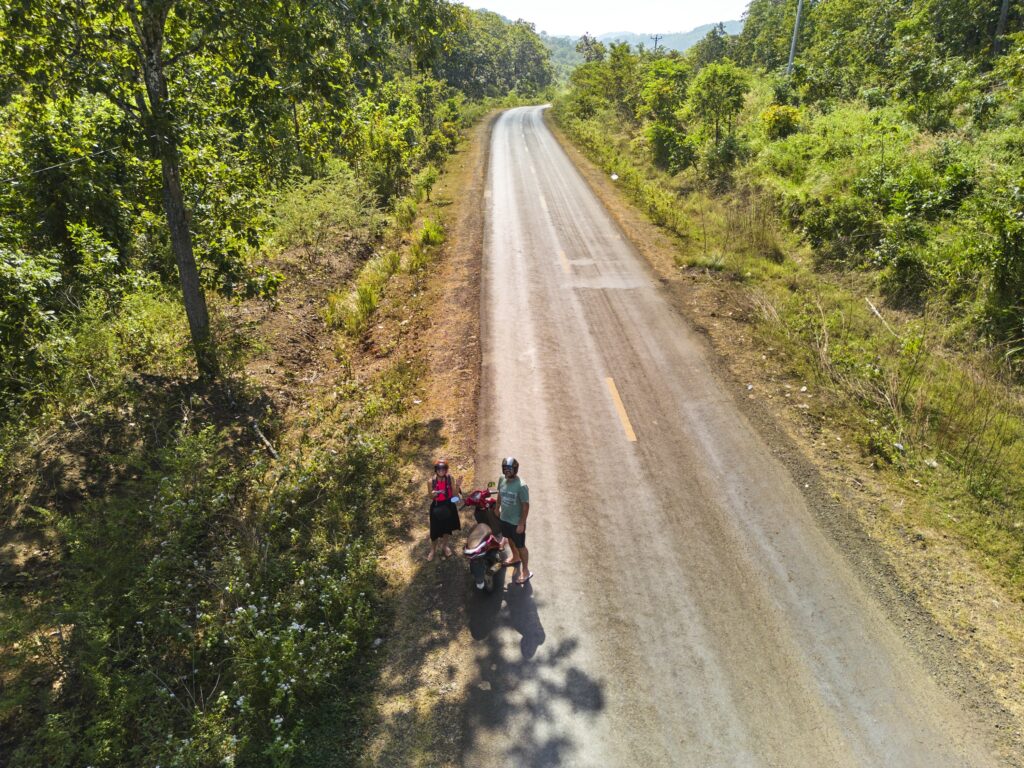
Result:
[{"x": 444, "y": 515}]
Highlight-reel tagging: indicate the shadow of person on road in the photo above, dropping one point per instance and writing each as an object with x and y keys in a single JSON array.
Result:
[
  {"x": 524, "y": 618},
  {"x": 483, "y": 610}
]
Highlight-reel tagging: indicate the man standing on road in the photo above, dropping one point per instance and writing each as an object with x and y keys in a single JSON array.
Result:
[{"x": 513, "y": 507}]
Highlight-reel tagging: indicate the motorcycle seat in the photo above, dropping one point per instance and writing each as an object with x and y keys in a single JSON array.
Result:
[{"x": 477, "y": 534}]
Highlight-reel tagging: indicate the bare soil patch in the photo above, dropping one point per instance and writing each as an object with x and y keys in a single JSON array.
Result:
[{"x": 967, "y": 629}]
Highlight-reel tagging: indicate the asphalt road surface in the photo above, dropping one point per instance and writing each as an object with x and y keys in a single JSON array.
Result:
[{"x": 686, "y": 608}]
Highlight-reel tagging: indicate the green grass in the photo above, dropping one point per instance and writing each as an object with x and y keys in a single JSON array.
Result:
[
  {"x": 352, "y": 309},
  {"x": 405, "y": 212},
  {"x": 184, "y": 599},
  {"x": 424, "y": 245}
]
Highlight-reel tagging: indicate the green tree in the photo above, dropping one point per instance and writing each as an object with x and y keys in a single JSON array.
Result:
[
  {"x": 715, "y": 46},
  {"x": 484, "y": 55},
  {"x": 845, "y": 47},
  {"x": 663, "y": 90},
  {"x": 590, "y": 86},
  {"x": 529, "y": 58},
  {"x": 624, "y": 71},
  {"x": 162, "y": 62},
  {"x": 124, "y": 52},
  {"x": 591, "y": 48},
  {"x": 716, "y": 96},
  {"x": 767, "y": 26}
]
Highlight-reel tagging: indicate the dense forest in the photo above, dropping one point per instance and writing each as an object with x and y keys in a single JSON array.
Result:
[
  {"x": 870, "y": 200},
  {"x": 175, "y": 590},
  {"x": 893, "y": 145}
]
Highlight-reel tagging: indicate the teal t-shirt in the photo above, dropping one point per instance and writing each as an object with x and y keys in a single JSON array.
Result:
[{"x": 512, "y": 493}]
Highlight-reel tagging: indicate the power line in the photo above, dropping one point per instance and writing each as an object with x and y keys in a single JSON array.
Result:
[
  {"x": 61, "y": 164},
  {"x": 57, "y": 165}
]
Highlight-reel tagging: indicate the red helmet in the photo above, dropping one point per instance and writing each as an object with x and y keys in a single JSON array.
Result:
[{"x": 439, "y": 464}]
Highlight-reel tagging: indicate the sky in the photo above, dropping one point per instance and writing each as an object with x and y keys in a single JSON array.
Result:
[{"x": 574, "y": 17}]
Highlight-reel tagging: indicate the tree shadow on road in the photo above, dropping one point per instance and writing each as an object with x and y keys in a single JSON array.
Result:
[
  {"x": 511, "y": 681},
  {"x": 522, "y": 694}
]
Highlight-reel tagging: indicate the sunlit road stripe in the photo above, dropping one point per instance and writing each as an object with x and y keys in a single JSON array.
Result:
[
  {"x": 543, "y": 203},
  {"x": 630, "y": 434},
  {"x": 565, "y": 265}
]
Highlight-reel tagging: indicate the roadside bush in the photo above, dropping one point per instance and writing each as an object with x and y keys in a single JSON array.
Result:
[
  {"x": 718, "y": 159},
  {"x": 905, "y": 280},
  {"x": 352, "y": 311},
  {"x": 671, "y": 149},
  {"x": 432, "y": 233},
  {"x": 28, "y": 288},
  {"x": 842, "y": 230},
  {"x": 780, "y": 121},
  {"x": 313, "y": 214},
  {"x": 224, "y": 633},
  {"x": 999, "y": 247}
]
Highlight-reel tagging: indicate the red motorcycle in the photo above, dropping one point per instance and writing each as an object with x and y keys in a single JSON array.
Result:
[{"x": 483, "y": 547}]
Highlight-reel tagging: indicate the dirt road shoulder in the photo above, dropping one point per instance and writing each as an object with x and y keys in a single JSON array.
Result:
[{"x": 429, "y": 653}]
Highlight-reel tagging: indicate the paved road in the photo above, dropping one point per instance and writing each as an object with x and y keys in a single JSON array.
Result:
[{"x": 686, "y": 609}]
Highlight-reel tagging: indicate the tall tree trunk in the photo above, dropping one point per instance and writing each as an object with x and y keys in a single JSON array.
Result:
[
  {"x": 163, "y": 138},
  {"x": 1004, "y": 13}
]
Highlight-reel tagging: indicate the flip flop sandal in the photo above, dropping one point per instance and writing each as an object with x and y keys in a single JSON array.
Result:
[
  {"x": 510, "y": 565},
  {"x": 521, "y": 582}
]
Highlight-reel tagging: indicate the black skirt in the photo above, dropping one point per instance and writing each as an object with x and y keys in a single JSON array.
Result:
[{"x": 444, "y": 518}]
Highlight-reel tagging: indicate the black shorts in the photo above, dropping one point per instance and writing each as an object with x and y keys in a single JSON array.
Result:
[{"x": 508, "y": 530}]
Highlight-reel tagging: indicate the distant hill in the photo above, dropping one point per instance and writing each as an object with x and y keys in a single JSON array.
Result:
[
  {"x": 677, "y": 41},
  {"x": 564, "y": 58},
  {"x": 563, "y": 48}
]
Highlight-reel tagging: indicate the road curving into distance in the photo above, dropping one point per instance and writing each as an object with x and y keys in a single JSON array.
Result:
[{"x": 686, "y": 608}]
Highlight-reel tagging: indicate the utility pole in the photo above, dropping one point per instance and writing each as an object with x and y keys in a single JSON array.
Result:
[
  {"x": 1004, "y": 12},
  {"x": 796, "y": 30},
  {"x": 656, "y": 38}
]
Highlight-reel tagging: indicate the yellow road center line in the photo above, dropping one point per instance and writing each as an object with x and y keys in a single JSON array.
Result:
[
  {"x": 630, "y": 434},
  {"x": 565, "y": 264}
]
